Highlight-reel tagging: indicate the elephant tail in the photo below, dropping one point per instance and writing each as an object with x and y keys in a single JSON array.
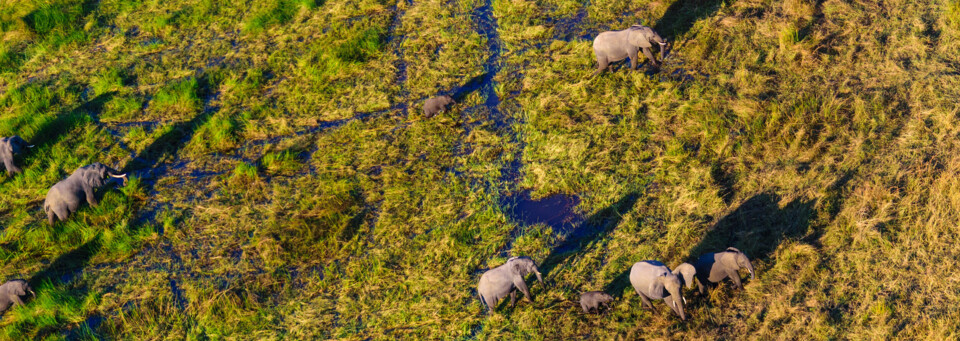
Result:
[{"x": 483, "y": 302}]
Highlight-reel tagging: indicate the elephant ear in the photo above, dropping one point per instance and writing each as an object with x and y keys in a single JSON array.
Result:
[
  {"x": 656, "y": 287},
  {"x": 91, "y": 176},
  {"x": 18, "y": 290}
]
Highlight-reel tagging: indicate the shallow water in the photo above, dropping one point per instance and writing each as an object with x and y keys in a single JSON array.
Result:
[{"x": 557, "y": 211}]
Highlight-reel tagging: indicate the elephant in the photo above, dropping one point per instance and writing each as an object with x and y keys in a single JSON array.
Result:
[
  {"x": 11, "y": 291},
  {"x": 591, "y": 301},
  {"x": 653, "y": 281},
  {"x": 9, "y": 148},
  {"x": 613, "y": 46},
  {"x": 714, "y": 267},
  {"x": 437, "y": 105},
  {"x": 505, "y": 279},
  {"x": 65, "y": 197},
  {"x": 686, "y": 272}
]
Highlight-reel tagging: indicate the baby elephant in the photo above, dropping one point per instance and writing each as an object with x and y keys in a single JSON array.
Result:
[
  {"x": 436, "y": 105},
  {"x": 11, "y": 291},
  {"x": 500, "y": 281},
  {"x": 591, "y": 301},
  {"x": 9, "y": 148},
  {"x": 65, "y": 197},
  {"x": 715, "y": 267}
]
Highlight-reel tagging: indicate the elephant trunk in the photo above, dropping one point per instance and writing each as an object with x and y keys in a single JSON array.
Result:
[
  {"x": 750, "y": 268},
  {"x": 539, "y": 278}
]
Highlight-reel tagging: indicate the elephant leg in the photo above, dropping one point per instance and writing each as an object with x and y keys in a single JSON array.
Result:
[
  {"x": 701, "y": 287},
  {"x": 513, "y": 298},
  {"x": 646, "y": 301},
  {"x": 491, "y": 303},
  {"x": 633, "y": 59},
  {"x": 735, "y": 277},
  {"x": 646, "y": 52},
  {"x": 602, "y": 63}
]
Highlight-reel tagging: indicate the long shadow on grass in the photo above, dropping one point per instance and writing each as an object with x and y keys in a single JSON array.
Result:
[
  {"x": 682, "y": 14},
  {"x": 591, "y": 229},
  {"x": 60, "y": 273}
]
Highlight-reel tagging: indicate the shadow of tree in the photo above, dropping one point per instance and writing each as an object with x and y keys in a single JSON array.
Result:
[{"x": 595, "y": 227}]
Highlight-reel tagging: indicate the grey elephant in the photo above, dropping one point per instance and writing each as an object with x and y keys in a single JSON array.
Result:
[
  {"x": 10, "y": 147},
  {"x": 715, "y": 267},
  {"x": 65, "y": 197},
  {"x": 614, "y": 46},
  {"x": 653, "y": 281},
  {"x": 592, "y": 300},
  {"x": 11, "y": 293},
  {"x": 437, "y": 105},
  {"x": 686, "y": 272},
  {"x": 506, "y": 279}
]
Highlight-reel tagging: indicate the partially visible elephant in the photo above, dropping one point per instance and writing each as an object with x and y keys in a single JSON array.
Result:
[
  {"x": 653, "y": 281},
  {"x": 436, "y": 105},
  {"x": 11, "y": 291},
  {"x": 592, "y": 300},
  {"x": 65, "y": 197},
  {"x": 715, "y": 267},
  {"x": 686, "y": 273},
  {"x": 614, "y": 46},
  {"x": 505, "y": 279},
  {"x": 10, "y": 147}
]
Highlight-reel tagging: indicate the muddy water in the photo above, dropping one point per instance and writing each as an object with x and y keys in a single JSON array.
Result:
[{"x": 557, "y": 211}]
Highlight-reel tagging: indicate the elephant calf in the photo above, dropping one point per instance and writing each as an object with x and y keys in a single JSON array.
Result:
[
  {"x": 9, "y": 148},
  {"x": 65, "y": 197},
  {"x": 11, "y": 291},
  {"x": 591, "y": 301},
  {"x": 505, "y": 279},
  {"x": 436, "y": 105},
  {"x": 614, "y": 46},
  {"x": 653, "y": 281},
  {"x": 715, "y": 267}
]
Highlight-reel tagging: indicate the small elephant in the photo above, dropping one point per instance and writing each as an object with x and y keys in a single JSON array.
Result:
[
  {"x": 505, "y": 279},
  {"x": 653, "y": 281},
  {"x": 714, "y": 267},
  {"x": 436, "y": 105},
  {"x": 11, "y": 291},
  {"x": 686, "y": 273},
  {"x": 65, "y": 197},
  {"x": 591, "y": 301},
  {"x": 614, "y": 46},
  {"x": 9, "y": 148}
]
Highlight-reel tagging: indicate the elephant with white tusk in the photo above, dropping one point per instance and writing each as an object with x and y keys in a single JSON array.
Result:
[
  {"x": 65, "y": 197},
  {"x": 506, "y": 279},
  {"x": 653, "y": 281},
  {"x": 10, "y": 147},
  {"x": 614, "y": 46},
  {"x": 11, "y": 291},
  {"x": 715, "y": 267}
]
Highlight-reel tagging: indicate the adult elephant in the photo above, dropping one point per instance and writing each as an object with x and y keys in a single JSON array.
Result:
[
  {"x": 712, "y": 268},
  {"x": 10, "y": 147},
  {"x": 614, "y": 46},
  {"x": 65, "y": 197},
  {"x": 505, "y": 279},
  {"x": 654, "y": 281}
]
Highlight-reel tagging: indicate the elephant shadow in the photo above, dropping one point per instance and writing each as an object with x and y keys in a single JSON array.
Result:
[
  {"x": 758, "y": 226},
  {"x": 683, "y": 14}
]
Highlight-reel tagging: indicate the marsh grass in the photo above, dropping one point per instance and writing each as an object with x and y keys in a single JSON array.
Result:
[{"x": 283, "y": 184}]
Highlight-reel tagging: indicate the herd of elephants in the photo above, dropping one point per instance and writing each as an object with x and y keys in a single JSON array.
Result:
[{"x": 651, "y": 279}]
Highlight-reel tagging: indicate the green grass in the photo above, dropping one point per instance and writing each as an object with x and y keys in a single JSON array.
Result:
[{"x": 284, "y": 186}]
